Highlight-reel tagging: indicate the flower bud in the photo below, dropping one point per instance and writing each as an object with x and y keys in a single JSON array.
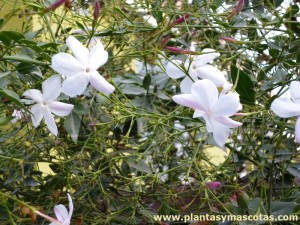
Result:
[
  {"x": 179, "y": 20},
  {"x": 179, "y": 50},
  {"x": 165, "y": 41},
  {"x": 214, "y": 185},
  {"x": 96, "y": 10},
  {"x": 239, "y": 6},
  {"x": 54, "y": 5},
  {"x": 230, "y": 40}
]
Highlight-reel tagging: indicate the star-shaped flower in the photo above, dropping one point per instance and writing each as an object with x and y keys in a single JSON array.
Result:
[
  {"x": 62, "y": 214},
  {"x": 81, "y": 69},
  {"x": 45, "y": 103},
  {"x": 214, "y": 108},
  {"x": 196, "y": 67},
  {"x": 288, "y": 105}
]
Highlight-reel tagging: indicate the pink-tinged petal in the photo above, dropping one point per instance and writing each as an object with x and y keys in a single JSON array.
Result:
[
  {"x": 226, "y": 105},
  {"x": 220, "y": 134},
  {"x": 34, "y": 94},
  {"x": 210, "y": 123},
  {"x": 205, "y": 93},
  {"x": 71, "y": 207},
  {"x": 36, "y": 114},
  {"x": 60, "y": 108},
  {"x": 174, "y": 70},
  {"x": 186, "y": 100},
  {"x": 100, "y": 84},
  {"x": 211, "y": 73},
  {"x": 49, "y": 120},
  {"x": 284, "y": 107},
  {"x": 66, "y": 222},
  {"x": 61, "y": 212},
  {"x": 79, "y": 51},
  {"x": 75, "y": 85},
  {"x": 98, "y": 57},
  {"x": 207, "y": 56},
  {"x": 51, "y": 88},
  {"x": 295, "y": 91},
  {"x": 186, "y": 85},
  {"x": 226, "y": 121},
  {"x": 297, "y": 131},
  {"x": 65, "y": 64}
]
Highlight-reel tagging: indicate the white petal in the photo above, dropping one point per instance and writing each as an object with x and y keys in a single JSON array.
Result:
[
  {"x": 174, "y": 70},
  {"x": 67, "y": 65},
  {"x": 60, "y": 108},
  {"x": 186, "y": 85},
  {"x": 34, "y": 94},
  {"x": 226, "y": 105},
  {"x": 27, "y": 101},
  {"x": 79, "y": 51},
  {"x": 187, "y": 100},
  {"x": 100, "y": 84},
  {"x": 297, "y": 130},
  {"x": 205, "y": 93},
  {"x": 70, "y": 206},
  {"x": 98, "y": 57},
  {"x": 207, "y": 56},
  {"x": 210, "y": 123},
  {"x": 211, "y": 73},
  {"x": 61, "y": 212},
  {"x": 295, "y": 91},
  {"x": 49, "y": 120},
  {"x": 198, "y": 113},
  {"x": 284, "y": 107},
  {"x": 226, "y": 121},
  {"x": 75, "y": 85},
  {"x": 51, "y": 88},
  {"x": 220, "y": 134},
  {"x": 37, "y": 114}
]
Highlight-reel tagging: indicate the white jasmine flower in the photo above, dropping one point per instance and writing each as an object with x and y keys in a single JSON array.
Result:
[
  {"x": 196, "y": 67},
  {"x": 81, "y": 69},
  {"x": 288, "y": 105},
  {"x": 45, "y": 103},
  {"x": 214, "y": 108},
  {"x": 62, "y": 214}
]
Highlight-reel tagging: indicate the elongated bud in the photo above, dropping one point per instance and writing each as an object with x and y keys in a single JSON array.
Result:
[
  {"x": 96, "y": 10},
  {"x": 239, "y": 6},
  {"x": 179, "y": 20},
  {"x": 165, "y": 41},
  {"x": 54, "y": 5},
  {"x": 230, "y": 40},
  {"x": 179, "y": 50}
]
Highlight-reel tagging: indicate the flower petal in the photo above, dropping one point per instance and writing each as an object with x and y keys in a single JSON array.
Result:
[
  {"x": 226, "y": 105},
  {"x": 98, "y": 57},
  {"x": 198, "y": 113},
  {"x": 65, "y": 64},
  {"x": 186, "y": 85},
  {"x": 226, "y": 121},
  {"x": 51, "y": 88},
  {"x": 284, "y": 107},
  {"x": 61, "y": 212},
  {"x": 75, "y": 85},
  {"x": 49, "y": 120},
  {"x": 60, "y": 108},
  {"x": 207, "y": 56},
  {"x": 186, "y": 100},
  {"x": 70, "y": 206},
  {"x": 211, "y": 73},
  {"x": 220, "y": 134},
  {"x": 100, "y": 84},
  {"x": 174, "y": 70},
  {"x": 79, "y": 51},
  {"x": 297, "y": 130},
  {"x": 205, "y": 93},
  {"x": 34, "y": 94},
  {"x": 295, "y": 91},
  {"x": 37, "y": 114}
]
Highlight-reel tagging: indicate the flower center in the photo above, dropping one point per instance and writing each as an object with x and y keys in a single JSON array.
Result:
[{"x": 88, "y": 70}]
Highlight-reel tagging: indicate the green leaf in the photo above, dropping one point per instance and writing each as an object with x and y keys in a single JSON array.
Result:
[
  {"x": 282, "y": 208},
  {"x": 139, "y": 165},
  {"x": 7, "y": 36},
  {"x": 245, "y": 86},
  {"x": 72, "y": 125},
  {"x": 147, "y": 82},
  {"x": 5, "y": 120},
  {"x": 23, "y": 58},
  {"x": 27, "y": 68},
  {"x": 12, "y": 96}
]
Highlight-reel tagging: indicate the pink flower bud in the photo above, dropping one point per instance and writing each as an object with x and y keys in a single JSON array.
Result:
[
  {"x": 179, "y": 21},
  {"x": 179, "y": 50},
  {"x": 239, "y": 6},
  {"x": 165, "y": 41},
  {"x": 54, "y": 5},
  {"x": 96, "y": 10},
  {"x": 214, "y": 185},
  {"x": 230, "y": 40}
]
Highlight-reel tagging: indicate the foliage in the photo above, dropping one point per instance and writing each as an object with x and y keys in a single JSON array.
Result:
[{"x": 134, "y": 154}]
